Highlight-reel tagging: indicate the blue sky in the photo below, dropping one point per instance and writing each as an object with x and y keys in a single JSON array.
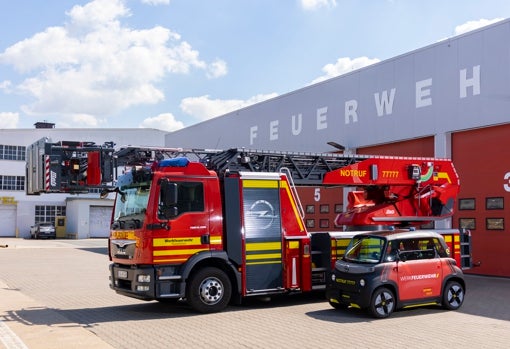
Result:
[{"x": 168, "y": 64}]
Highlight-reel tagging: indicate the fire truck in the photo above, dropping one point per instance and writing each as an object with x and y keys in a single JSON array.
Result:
[{"x": 213, "y": 227}]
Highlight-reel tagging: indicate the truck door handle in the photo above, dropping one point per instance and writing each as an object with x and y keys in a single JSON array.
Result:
[{"x": 205, "y": 239}]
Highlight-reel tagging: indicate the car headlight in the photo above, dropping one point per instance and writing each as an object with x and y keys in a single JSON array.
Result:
[
  {"x": 333, "y": 277},
  {"x": 362, "y": 282}
]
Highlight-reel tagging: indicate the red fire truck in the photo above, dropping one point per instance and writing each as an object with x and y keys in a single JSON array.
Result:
[{"x": 213, "y": 226}]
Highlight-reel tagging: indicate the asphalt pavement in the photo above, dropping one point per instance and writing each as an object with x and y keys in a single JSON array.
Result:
[{"x": 55, "y": 294}]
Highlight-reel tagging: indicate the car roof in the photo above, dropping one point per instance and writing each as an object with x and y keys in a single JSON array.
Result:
[{"x": 401, "y": 234}]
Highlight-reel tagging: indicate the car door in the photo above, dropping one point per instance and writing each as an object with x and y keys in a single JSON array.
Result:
[{"x": 419, "y": 275}]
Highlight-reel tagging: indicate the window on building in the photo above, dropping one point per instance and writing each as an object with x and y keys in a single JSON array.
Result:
[
  {"x": 467, "y": 204},
  {"x": 324, "y": 208},
  {"x": 12, "y": 183},
  {"x": 12, "y": 152},
  {"x": 48, "y": 213},
  {"x": 467, "y": 223},
  {"x": 494, "y": 203},
  {"x": 324, "y": 223},
  {"x": 495, "y": 223}
]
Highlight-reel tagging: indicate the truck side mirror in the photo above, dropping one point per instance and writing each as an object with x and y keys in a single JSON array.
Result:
[{"x": 168, "y": 199}]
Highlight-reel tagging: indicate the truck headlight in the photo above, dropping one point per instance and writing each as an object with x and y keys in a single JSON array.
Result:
[
  {"x": 333, "y": 277},
  {"x": 362, "y": 282},
  {"x": 144, "y": 278}
]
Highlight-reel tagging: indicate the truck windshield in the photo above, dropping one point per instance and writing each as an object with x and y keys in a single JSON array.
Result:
[
  {"x": 130, "y": 206},
  {"x": 365, "y": 249}
]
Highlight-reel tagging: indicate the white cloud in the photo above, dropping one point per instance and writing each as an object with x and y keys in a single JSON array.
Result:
[
  {"x": 165, "y": 121},
  {"x": 5, "y": 85},
  {"x": 217, "y": 69},
  {"x": 156, "y": 2},
  {"x": 344, "y": 65},
  {"x": 311, "y": 5},
  {"x": 81, "y": 120},
  {"x": 472, "y": 25},
  {"x": 96, "y": 66},
  {"x": 9, "y": 120},
  {"x": 204, "y": 108}
]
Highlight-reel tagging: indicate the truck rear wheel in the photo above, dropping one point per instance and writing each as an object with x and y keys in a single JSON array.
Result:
[{"x": 209, "y": 290}]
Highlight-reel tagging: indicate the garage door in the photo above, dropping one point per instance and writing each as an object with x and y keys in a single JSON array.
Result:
[
  {"x": 8, "y": 219},
  {"x": 99, "y": 221},
  {"x": 481, "y": 159}
]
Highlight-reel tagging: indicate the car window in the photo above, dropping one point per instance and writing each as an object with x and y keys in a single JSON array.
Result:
[
  {"x": 392, "y": 250},
  {"x": 417, "y": 249},
  {"x": 366, "y": 249}
]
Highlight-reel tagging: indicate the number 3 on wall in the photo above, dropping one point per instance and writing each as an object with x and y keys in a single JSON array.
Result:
[{"x": 507, "y": 185}]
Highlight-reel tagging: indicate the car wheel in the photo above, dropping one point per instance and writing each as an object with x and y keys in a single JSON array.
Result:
[
  {"x": 382, "y": 303},
  {"x": 453, "y": 295}
]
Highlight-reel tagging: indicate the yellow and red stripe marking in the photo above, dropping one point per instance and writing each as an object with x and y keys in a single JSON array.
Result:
[
  {"x": 263, "y": 253},
  {"x": 180, "y": 248}
]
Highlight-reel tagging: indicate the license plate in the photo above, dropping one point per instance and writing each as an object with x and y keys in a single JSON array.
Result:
[{"x": 122, "y": 274}]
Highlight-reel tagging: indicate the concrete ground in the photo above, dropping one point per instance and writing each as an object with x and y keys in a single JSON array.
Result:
[{"x": 55, "y": 294}]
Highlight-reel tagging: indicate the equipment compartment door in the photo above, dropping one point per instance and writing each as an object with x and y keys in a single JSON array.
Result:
[{"x": 263, "y": 235}]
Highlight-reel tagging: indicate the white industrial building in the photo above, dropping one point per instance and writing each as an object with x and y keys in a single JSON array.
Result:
[{"x": 76, "y": 216}]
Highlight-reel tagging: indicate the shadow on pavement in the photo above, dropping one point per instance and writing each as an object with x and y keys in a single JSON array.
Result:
[
  {"x": 88, "y": 317},
  {"x": 100, "y": 250},
  {"x": 485, "y": 296}
]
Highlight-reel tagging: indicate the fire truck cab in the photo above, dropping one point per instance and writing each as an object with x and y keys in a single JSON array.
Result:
[{"x": 388, "y": 270}]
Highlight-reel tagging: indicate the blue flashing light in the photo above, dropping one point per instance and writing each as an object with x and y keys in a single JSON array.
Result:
[{"x": 175, "y": 162}]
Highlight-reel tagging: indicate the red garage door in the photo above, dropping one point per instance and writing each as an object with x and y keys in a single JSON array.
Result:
[{"x": 482, "y": 159}]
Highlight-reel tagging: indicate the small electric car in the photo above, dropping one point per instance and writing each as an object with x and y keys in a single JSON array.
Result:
[{"x": 389, "y": 270}]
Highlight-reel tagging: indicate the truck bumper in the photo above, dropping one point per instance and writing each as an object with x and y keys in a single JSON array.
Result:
[{"x": 143, "y": 282}]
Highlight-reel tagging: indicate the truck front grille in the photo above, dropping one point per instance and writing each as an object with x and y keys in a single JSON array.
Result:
[{"x": 124, "y": 249}]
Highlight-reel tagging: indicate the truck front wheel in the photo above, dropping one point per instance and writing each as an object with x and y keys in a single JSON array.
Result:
[{"x": 209, "y": 290}]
